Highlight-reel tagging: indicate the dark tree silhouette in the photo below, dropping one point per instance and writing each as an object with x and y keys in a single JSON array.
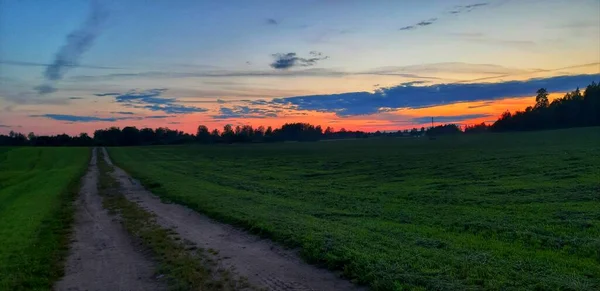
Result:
[
  {"x": 573, "y": 110},
  {"x": 541, "y": 99}
]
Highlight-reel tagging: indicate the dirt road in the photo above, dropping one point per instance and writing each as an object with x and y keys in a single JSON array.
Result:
[
  {"x": 264, "y": 263},
  {"x": 102, "y": 255}
]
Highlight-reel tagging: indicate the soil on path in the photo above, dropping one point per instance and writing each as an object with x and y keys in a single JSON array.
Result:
[
  {"x": 261, "y": 261},
  {"x": 102, "y": 256}
]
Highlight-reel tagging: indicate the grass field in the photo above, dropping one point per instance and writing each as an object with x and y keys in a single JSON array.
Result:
[
  {"x": 492, "y": 211},
  {"x": 36, "y": 190}
]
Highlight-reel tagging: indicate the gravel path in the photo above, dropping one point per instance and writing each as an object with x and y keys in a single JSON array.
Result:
[
  {"x": 102, "y": 256},
  {"x": 264, "y": 263}
]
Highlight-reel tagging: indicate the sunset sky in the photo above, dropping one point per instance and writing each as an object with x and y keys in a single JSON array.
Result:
[{"x": 74, "y": 66}]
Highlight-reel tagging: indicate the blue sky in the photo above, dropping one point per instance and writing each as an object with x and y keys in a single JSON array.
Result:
[{"x": 212, "y": 60}]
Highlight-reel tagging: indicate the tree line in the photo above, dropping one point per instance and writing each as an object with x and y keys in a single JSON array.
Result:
[
  {"x": 132, "y": 136},
  {"x": 575, "y": 109}
]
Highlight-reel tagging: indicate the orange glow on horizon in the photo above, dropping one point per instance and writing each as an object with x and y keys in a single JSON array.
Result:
[{"x": 384, "y": 121}]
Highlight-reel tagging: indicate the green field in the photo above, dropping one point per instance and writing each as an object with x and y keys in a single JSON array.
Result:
[
  {"x": 36, "y": 190},
  {"x": 492, "y": 211}
]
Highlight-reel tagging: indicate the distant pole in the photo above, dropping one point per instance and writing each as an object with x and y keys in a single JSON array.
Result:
[{"x": 432, "y": 122}]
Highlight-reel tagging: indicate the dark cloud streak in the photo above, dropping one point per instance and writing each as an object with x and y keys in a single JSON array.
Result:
[
  {"x": 456, "y": 10},
  {"x": 153, "y": 101},
  {"x": 77, "y": 43},
  {"x": 88, "y": 118},
  {"x": 245, "y": 112},
  {"x": 289, "y": 60},
  {"x": 384, "y": 99}
]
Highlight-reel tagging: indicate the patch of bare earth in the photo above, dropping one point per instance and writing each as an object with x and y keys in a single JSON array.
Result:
[
  {"x": 102, "y": 255},
  {"x": 262, "y": 262}
]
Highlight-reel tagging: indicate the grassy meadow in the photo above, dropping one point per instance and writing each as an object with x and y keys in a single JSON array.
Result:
[
  {"x": 492, "y": 211},
  {"x": 36, "y": 190}
]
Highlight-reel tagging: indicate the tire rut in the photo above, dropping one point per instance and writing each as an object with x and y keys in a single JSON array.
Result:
[
  {"x": 102, "y": 255},
  {"x": 261, "y": 261}
]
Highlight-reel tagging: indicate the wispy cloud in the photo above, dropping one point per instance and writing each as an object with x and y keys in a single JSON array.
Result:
[
  {"x": 122, "y": 112},
  {"x": 364, "y": 103},
  {"x": 448, "y": 119},
  {"x": 456, "y": 10},
  {"x": 420, "y": 24},
  {"x": 245, "y": 112},
  {"x": 45, "y": 89},
  {"x": 272, "y": 21},
  {"x": 91, "y": 118},
  {"x": 311, "y": 72},
  {"x": 467, "y": 8},
  {"x": 75, "y": 98},
  {"x": 77, "y": 43},
  {"x": 34, "y": 64},
  {"x": 107, "y": 94},
  {"x": 486, "y": 104},
  {"x": 79, "y": 118},
  {"x": 481, "y": 38},
  {"x": 152, "y": 100},
  {"x": 422, "y": 72},
  {"x": 289, "y": 60}
]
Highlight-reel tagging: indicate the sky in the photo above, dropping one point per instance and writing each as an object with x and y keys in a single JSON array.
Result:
[{"x": 74, "y": 66}]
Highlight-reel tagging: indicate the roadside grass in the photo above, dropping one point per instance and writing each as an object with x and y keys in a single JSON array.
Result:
[
  {"x": 37, "y": 189},
  {"x": 183, "y": 265},
  {"x": 495, "y": 211}
]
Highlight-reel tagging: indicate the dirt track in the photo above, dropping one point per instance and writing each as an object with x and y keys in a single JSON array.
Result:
[
  {"x": 264, "y": 263},
  {"x": 102, "y": 256}
]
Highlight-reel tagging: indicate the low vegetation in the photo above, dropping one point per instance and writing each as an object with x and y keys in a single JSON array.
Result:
[
  {"x": 37, "y": 187},
  {"x": 496, "y": 211},
  {"x": 183, "y": 265}
]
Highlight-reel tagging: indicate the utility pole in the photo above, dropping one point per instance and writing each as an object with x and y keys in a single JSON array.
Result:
[{"x": 432, "y": 122}]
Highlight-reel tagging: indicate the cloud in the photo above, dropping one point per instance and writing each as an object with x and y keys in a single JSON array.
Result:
[
  {"x": 123, "y": 112},
  {"x": 174, "y": 108},
  {"x": 152, "y": 100},
  {"x": 245, "y": 112},
  {"x": 448, "y": 119},
  {"x": 289, "y": 60},
  {"x": 158, "y": 116},
  {"x": 4, "y": 126},
  {"x": 467, "y": 8},
  {"x": 459, "y": 9},
  {"x": 311, "y": 72},
  {"x": 423, "y": 72},
  {"x": 427, "y": 22},
  {"x": 272, "y": 21},
  {"x": 31, "y": 98},
  {"x": 481, "y": 38},
  {"x": 362, "y": 103},
  {"x": 420, "y": 24},
  {"x": 79, "y": 118},
  {"x": 89, "y": 118},
  {"x": 34, "y": 64},
  {"x": 107, "y": 94},
  {"x": 77, "y": 43},
  {"x": 45, "y": 89},
  {"x": 479, "y": 106},
  {"x": 75, "y": 98},
  {"x": 147, "y": 96}
]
